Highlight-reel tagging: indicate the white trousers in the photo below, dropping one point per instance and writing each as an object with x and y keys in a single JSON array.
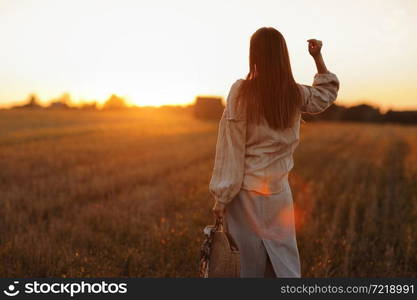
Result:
[{"x": 263, "y": 225}]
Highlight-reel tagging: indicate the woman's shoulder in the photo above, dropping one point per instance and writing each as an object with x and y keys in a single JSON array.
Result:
[
  {"x": 233, "y": 109},
  {"x": 238, "y": 82},
  {"x": 234, "y": 89}
]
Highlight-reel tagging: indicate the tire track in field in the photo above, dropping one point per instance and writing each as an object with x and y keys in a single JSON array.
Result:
[
  {"x": 393, "y": 207},
  {"x": 342, "y": 191},
  {"x": 332, "y": 186},
  {"x": 45, "y": 136},
  {"x": 78, "y": 155},
  {"x": 83, "y": 199},
  {"x": 49, "y": 201}
]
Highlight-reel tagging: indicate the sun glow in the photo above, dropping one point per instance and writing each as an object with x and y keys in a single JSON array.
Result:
[{"x": 167, "y": 52}]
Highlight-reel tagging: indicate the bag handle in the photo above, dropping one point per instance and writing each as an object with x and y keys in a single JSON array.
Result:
[{"x": 219, "y": 224}]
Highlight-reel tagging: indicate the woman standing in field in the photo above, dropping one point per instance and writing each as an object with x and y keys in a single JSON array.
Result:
[{"x": 258, "y": 133}]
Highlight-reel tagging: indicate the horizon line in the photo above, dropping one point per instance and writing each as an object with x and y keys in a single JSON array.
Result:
[{"x": 100, "y": 104}]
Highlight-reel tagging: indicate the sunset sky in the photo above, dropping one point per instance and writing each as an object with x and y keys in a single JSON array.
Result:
[{"x": 167, "y": 52}]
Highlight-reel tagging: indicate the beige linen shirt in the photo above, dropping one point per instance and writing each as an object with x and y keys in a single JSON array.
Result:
[{"x": 256, "y": 157}]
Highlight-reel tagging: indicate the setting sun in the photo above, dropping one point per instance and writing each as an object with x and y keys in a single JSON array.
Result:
[{"x": 165, "y": 52}]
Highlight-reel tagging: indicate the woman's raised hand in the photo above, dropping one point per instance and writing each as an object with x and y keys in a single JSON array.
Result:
[{"x": 314, "y": 47}]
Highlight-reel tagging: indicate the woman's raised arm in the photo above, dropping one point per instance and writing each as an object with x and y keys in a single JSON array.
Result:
[{"x": 323, "y": 92}]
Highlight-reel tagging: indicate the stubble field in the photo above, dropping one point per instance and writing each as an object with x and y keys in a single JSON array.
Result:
[{"x": 92, "y": 194}]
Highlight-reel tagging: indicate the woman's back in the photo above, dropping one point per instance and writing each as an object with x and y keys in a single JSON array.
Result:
[
  {"x": 268, "y": 151},
  {"x": 269, "y": 156}
]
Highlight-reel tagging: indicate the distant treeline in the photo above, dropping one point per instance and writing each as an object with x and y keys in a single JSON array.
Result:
[
  {"x": 363, "y": 113},
  {"x": 64, "y": 102},
  {"x": 212, "y": 108}
]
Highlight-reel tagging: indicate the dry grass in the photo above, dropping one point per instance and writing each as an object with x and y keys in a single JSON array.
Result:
[{"x": 86, "y": 194}]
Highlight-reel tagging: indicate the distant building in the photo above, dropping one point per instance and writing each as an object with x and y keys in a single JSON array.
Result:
[
  {"x": 62, "y": 102},
  {"x": 208, "y": 108},
  {"x": 88, "y": 106},
  {"x": 58, "y": 105}
]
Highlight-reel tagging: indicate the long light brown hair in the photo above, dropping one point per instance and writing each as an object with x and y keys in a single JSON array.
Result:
[{"x": 269, "y": 89}]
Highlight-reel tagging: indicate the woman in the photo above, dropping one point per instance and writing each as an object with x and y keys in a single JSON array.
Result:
[{"x": 258, "y": 133}]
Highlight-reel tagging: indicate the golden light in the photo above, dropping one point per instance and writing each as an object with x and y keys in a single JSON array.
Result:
[{"x": 167, "y": 52}]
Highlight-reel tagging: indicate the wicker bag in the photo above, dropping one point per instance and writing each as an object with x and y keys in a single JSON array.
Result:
[{"x": 219, "y": 253}]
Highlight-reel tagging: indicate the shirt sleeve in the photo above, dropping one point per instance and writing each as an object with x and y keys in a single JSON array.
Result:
[
  {"x": 228, "y": 171},
  {"x": 321, "y": 94}
]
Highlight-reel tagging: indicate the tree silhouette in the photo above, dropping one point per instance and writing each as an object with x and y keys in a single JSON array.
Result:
[
  {"x": 115, "y": 102},
  {"x": 33, "y": 101}
]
